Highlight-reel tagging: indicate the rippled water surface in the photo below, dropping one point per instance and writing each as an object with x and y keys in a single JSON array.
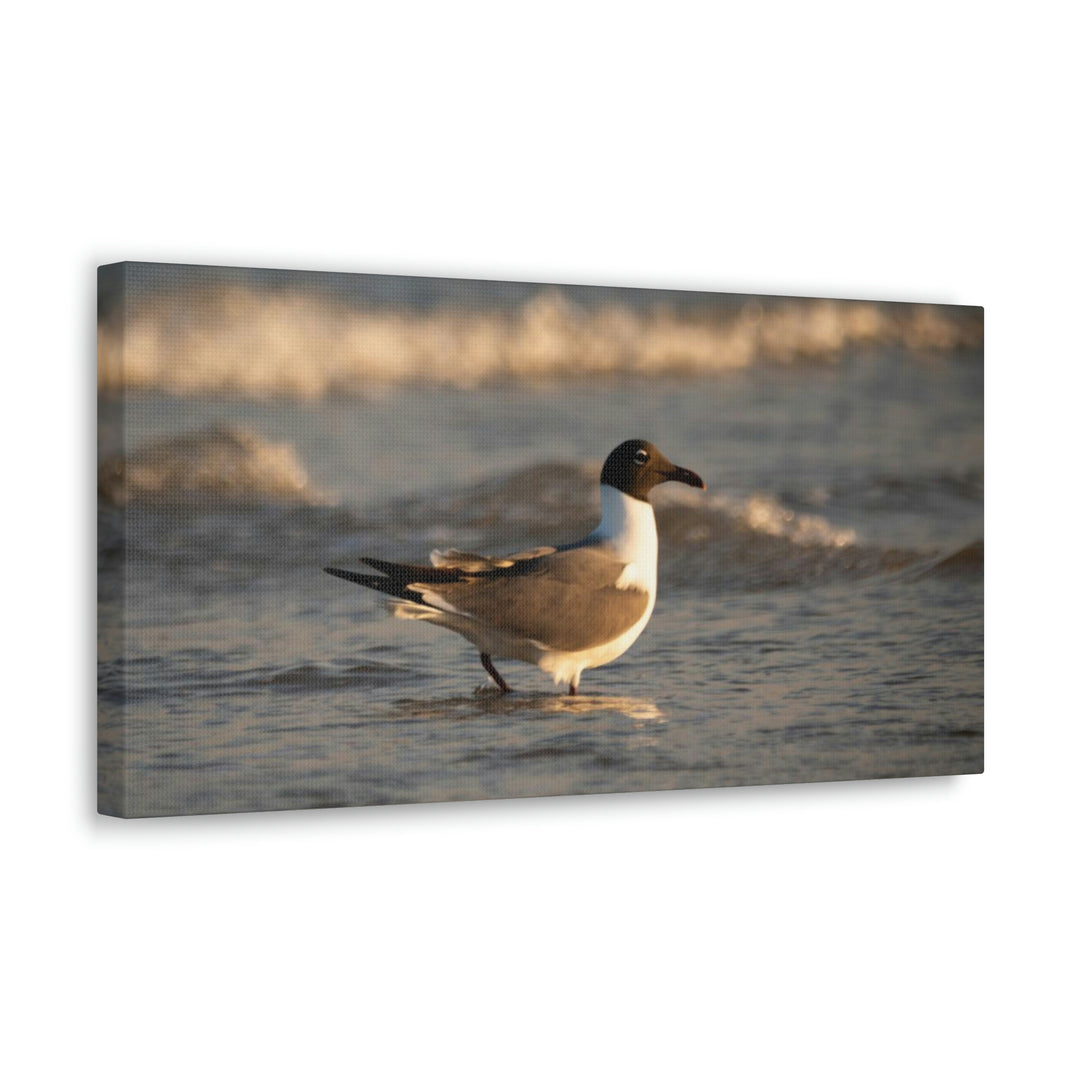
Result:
[{"x": 819, "y": 617}]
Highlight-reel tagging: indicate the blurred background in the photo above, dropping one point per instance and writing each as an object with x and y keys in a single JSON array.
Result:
[{"x": 268, "y": 333}]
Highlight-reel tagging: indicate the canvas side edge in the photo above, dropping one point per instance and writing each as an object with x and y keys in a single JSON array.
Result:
[{"x": 111, "y": 548}]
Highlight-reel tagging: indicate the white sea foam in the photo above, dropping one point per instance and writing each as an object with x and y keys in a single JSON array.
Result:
[
  {"x": 760, "y": 513},
  {"x": 303, "y": 344},
  {"x": 221, "y": 463}
]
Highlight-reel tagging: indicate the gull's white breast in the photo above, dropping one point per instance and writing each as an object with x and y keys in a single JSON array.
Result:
[{"x": 628, "y": 529}]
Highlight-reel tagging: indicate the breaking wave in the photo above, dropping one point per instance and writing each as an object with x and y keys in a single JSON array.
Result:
[
  {"x": 222, "y": 463},
  {"x": 708, "y": 539},
  {"x": 299, "y": 343},
  {"x": 565, "y": 496}
]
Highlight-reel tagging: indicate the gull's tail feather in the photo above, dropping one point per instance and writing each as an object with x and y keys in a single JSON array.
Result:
[
  {"x": 395, "y": 579},
  {"x": 406, "y": 602}
]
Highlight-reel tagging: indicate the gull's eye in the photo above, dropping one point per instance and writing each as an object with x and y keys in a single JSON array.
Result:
[{"x": 641, "y": 457}]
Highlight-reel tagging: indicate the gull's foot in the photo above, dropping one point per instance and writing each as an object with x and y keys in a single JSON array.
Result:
[{"x": 489, "y": 689}]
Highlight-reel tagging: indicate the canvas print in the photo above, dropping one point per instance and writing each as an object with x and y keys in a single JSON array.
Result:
[{"x": 367, "y": 539}]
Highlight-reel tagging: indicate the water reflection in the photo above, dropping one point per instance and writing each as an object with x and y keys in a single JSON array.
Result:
[
  {"x": 631, "y": 708},
  {"x": 488, "y": 701}
]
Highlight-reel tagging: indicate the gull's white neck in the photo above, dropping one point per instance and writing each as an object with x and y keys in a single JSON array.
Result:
[{"x": 628, "y": 527}]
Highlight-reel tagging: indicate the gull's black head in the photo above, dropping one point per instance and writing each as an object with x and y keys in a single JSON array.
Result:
[{"x": 636, "y": 467}]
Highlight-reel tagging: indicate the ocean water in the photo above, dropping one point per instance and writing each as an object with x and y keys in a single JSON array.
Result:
[{"x": 820, "y": 614}]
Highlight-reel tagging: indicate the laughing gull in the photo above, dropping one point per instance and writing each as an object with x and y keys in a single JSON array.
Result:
[{"x": 565, "y": 608}]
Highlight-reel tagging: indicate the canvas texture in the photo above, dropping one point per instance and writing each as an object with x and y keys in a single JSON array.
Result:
[{"x": 787, "y": 587}]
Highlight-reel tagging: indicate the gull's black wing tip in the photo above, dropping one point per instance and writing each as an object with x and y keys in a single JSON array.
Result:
[
  {"x": 391, "y": 586},
  {"x": 347, "y": 575}
]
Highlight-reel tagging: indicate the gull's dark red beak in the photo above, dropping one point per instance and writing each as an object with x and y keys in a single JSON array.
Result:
[{"x": 685, "y": 476}]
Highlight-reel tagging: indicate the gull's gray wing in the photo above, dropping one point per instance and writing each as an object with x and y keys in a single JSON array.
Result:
[
  {"x": 567, "y": 600},
  {"x": 470, "y": 562}
]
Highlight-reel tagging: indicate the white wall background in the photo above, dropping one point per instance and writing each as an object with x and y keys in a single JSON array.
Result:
[{"x": 906, "y": 928}]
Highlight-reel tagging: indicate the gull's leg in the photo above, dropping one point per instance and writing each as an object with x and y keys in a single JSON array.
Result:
[
  {"x": 489, "y": 667},
  {"x": 574, "y": 682}
]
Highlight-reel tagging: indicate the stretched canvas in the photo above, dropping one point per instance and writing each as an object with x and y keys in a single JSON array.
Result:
[{"x": 808, "y": 605}]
